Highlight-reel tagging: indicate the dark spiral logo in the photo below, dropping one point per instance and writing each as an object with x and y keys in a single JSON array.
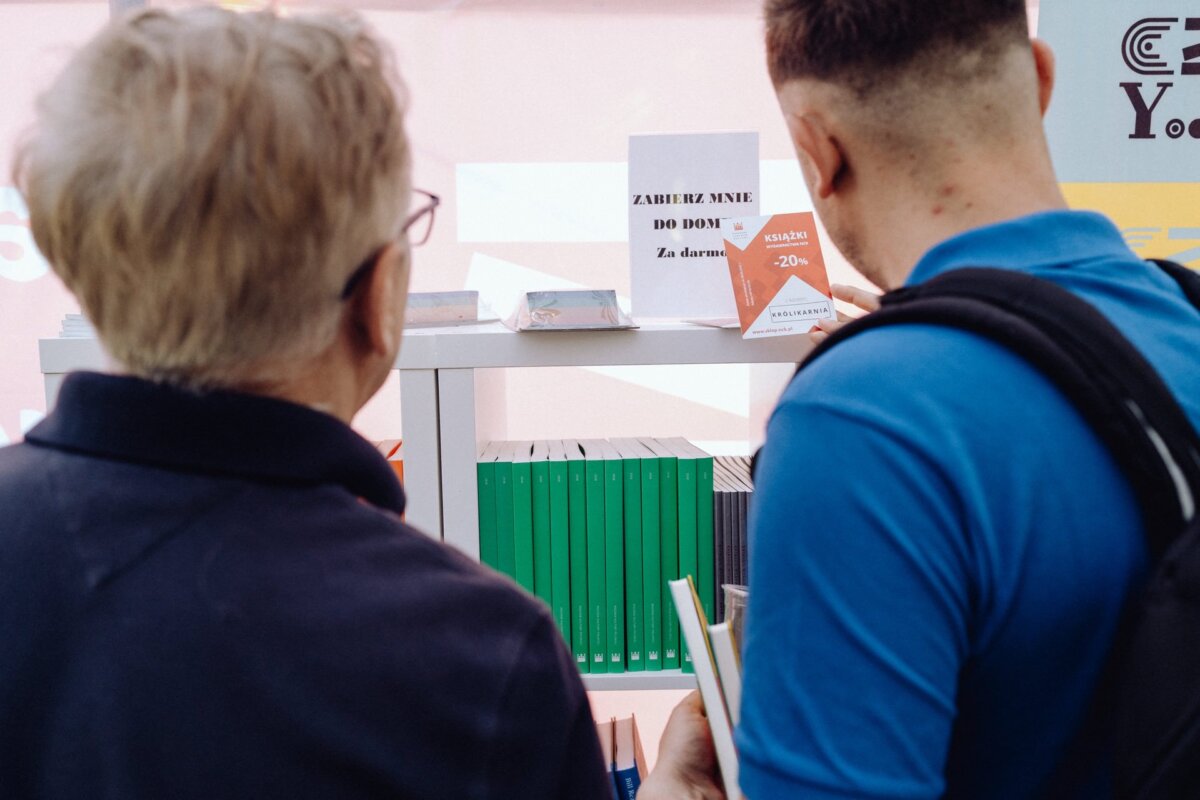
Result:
[{"x": 1139, "y": 43}]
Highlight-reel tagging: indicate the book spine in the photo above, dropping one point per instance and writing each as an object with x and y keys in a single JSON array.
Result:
[
  {"x": 486, "y": 478},
  {"x": 628, "y": 782},
  {"x": 597, "y": 589},
  {"x": 614, "y": 562},
  {"x": 523, "y": 524},
  {"x": 688, "y": 561},
  {"x": 506, "y": 555},
  {"x": 743, "y": 568},
  {"x": 560, "y": 562},
  {"x": 542, "y": 567},
  {"x": 577, "y": 534},
  {"x": 652, "y": 579},
  {"x": 722, "y": 548},
  {"x": 668, "y": 492},
  {"x": 705, "y": 542},
  {"x": 635, "y": 647}
]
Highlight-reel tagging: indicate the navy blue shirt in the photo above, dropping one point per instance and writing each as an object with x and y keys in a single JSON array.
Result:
[
  {"x": 213, "y": 596},
  {"x": 941, "y": 547}
]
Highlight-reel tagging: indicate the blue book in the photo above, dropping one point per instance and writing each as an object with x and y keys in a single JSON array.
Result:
[
  {"x": 627, "y": 760},
  {"x": 627, "y": 783}
]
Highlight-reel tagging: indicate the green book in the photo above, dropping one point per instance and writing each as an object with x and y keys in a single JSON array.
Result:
[
  {"x": 653, "y": 592},
  {"x": 596, "y": 554},
  {"x": 577, "y": 544},
  {"x": 506, "y": 556},
  {"x": 539, "y": 471},
  {"x": 485, "y": 473},
  {"x": 668, "y": 528},
  {"x": 688, "y": 555},
  {"x": 560, "y": 549},
  {"x": 523, "y": 514},
  {"x": 614, "y": 555},
  {"x": 705, "y": 544},
  {"x": 631, "y": 469}
]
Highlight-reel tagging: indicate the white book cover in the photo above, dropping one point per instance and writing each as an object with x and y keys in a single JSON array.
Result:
[
  {"x": 691, "y": 615},
  {"x": 729, "y": 668}
]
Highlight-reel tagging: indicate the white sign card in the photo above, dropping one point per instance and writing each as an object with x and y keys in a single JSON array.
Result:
[{"x": 680, "y": 188}]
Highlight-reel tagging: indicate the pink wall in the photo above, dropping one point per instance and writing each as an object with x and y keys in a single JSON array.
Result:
[
  {"x": 34, "y": 40},
  {"x": 495, "y": 81}
]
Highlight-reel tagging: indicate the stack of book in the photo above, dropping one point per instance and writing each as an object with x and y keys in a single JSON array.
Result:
[
  {"x": 76, "y": 326},
  {"x": 596, "y": 529},
  {"x": 731, "y": 500}
]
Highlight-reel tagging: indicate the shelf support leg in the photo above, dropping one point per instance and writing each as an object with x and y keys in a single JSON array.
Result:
[{"x": 422, "y": 459}]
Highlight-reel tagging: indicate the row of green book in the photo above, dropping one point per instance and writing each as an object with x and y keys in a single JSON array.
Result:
[{"x": 596, "y": 529}]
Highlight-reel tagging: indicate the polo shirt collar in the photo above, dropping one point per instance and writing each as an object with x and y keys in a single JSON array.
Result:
[
  {"x": 218, "y": 433},
  {"x": 1044, "y": 240}
]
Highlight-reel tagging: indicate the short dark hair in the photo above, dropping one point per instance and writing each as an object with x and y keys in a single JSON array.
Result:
[{"x": 862, "y": 42}]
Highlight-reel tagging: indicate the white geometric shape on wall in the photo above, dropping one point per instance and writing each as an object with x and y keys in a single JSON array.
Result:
[
  {"x": 782, "y": 188},
  {"x": 722, "y": 387},
  {"x": 542, "y": 202},
  {"x": 20, "y": 259},
  {"x": 29, "y": 418}
]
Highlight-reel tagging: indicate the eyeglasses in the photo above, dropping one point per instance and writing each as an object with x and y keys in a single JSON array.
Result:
[
  {"x": 417, "y": 227},
  {"x": 419, "y": 224}
]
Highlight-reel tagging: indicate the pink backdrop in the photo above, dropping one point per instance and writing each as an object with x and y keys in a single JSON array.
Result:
[{"x": 493, "y": 82}]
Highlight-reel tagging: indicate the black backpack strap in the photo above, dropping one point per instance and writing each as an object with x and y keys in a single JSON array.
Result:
[
  {"x": 1188, "y": 279},
  {"x": 1073, "y": 345}
]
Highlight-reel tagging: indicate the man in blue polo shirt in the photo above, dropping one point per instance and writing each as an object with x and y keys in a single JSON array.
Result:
[{"x": 941, "y": 548}]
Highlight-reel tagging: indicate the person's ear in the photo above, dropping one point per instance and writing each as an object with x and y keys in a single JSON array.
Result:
[
  {"x": 1043, "y": 59},
  {"x": 377, "y": 304},
  {"x": 820, "y": 153}
]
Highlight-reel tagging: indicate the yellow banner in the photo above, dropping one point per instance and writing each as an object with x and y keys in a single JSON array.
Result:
[{"x": 1158, "y": 220}]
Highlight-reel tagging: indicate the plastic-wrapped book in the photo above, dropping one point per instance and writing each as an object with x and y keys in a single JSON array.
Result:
[{"x": 76, "y": 326}]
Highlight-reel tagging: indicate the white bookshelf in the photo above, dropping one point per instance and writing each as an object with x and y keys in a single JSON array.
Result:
[
  {"x": 451, "y": 400},
  {"x": 449, "y": 360},
  {"x": 638, "y": 681},
  {"x": 440, "y": 393}
]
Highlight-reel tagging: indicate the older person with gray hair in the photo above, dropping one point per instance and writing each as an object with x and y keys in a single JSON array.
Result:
[{"x": 206, "y": 588}]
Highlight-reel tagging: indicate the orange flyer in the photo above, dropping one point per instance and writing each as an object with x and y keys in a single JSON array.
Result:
[{"x": 778, "y": 274}]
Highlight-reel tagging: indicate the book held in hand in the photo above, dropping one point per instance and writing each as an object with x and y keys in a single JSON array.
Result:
[{"x": 693, "y": 626}]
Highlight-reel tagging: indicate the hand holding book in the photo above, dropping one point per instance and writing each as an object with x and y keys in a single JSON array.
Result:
[{"x": 687, "y": 761}]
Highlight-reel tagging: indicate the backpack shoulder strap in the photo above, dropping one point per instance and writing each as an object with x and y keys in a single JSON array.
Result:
[
  {"x": 1073, "y": 345},
  {"x": 1188, "y": 279}
]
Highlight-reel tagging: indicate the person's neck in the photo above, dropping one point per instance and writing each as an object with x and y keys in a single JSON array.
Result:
[
  {"x": 329, "y": 383},
  {"x": 906, "y": 216}
]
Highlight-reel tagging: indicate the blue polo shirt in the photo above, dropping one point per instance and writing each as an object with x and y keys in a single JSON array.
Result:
[
  {"x": 213, "y": 596},
  {"x": 941, "y": 548}
]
